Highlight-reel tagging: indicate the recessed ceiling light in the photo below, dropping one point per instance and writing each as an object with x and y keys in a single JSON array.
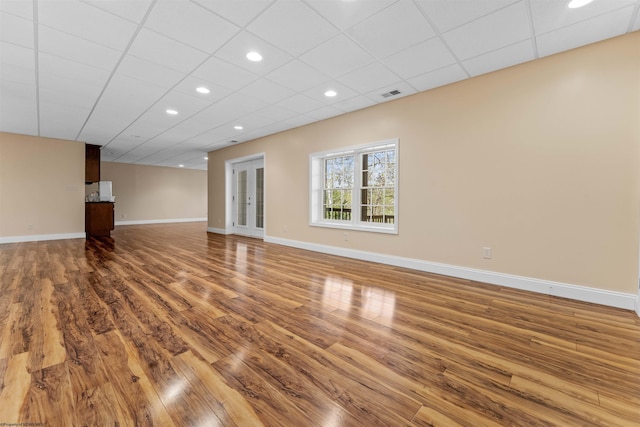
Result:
[
  {"x": 330, "y": 93},
  {"x": 238, "y": 127},
  {"x": 180, "y": 166},
  {"x": 202, "y": 89},
  {"x": 172, "y": 112},
  {"x": 206, "y": 158},
  {"x": 574, "y": 4},
  {"x": 254, "y": 56}
]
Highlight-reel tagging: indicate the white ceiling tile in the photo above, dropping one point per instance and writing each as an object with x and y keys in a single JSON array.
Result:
[
  {"x": 16, "y": 30},
  {"x": 369, "y": 77},
  {"x": 343, "y": 91},
  {"x": 128, "y": 93},
  {"x": 186, "y": 105},
  {"x": 76, "y": 49},
  {"x": 224, "y": 74},
  {"x": 420, "y": 59},
  {"x": 324, "y": 113},
  {"x": 141, "y": 69},
  {"x": 18, "y": 112},
  {"x": 242, "y": 104},
  {"x": 189, "y": 85},
  {"x": 236, "y": 50},
  {"x": 337, "y": 56},
  {"x": 191, "y": 24},
  {"x": 20, "y": 8},
  {"x": 251, "y": 122},
  {"x": 447, "y": 15},
  {"x": 549, "y": 15},
  {"x": 86, "y": 22},
  {"x": 300, "y": 103},
  {"x": 214, "y": 116},
  {"x": 298, "y": 76},
  {"x": 267, "y": 91},
  {"x": 404, "y": 88},
  {"x": 277, "y": 113},
  {"x": 61, "y": 121},
  {"x": 130, "y": 10},
  {"x": 585, "y": 32},
  {"x": 636, "y": 23},
  {"x": 293, "y": 26},
  {"x": 238, "y": 12},
  {"x": 355, "y": 103},
  {"x": 393, "y": 29},
  {"x": 501, "y": 58},
  {"x": 437, "y": 78},
  {"x": 69, "y": 94},
  {"x": 148, "y": 127},
  {"x": 162, "y": 50},
  {"x": 503, "y": 28},
  {"x": 17, "y": 64},
  {"x": 50, "y": 65},
  {"x": 345, "y": 14}
]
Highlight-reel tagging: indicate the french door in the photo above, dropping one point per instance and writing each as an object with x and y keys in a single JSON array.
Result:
[{"x": 248, "y": 198}]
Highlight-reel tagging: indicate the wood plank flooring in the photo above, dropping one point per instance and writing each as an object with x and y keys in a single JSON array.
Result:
[{"x": 166, "y": 325}]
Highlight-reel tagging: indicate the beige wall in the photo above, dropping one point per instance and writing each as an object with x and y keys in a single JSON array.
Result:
[
  {"x": 154, "y": 193},
  {"x": 41, "y": 186},
  {"x": 538, "y": 161}
]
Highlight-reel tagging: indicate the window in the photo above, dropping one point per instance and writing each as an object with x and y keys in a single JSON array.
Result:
[{"x": 356, "y": 188}]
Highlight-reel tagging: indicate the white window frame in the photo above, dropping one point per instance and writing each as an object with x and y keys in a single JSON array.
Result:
[{"x": 316, "y": 188}]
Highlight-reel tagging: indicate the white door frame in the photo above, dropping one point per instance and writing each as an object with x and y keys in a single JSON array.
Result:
[{"x": 229, "y": 183}]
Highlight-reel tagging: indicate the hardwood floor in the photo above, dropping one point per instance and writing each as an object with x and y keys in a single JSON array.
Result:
[{"x": 167, "y": 325}]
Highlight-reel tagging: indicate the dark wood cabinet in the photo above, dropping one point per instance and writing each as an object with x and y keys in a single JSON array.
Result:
[
  {"x": 91, "y": 163},
  {"x": 99, "y": 218}
]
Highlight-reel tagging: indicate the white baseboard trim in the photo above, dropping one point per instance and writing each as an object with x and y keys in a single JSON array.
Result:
[
  {"x": 565, "y": 290},
  {"x": 160, "y": 221},
  {"x": 217, "y": 230},
  {"x": 41, "y": 237}
]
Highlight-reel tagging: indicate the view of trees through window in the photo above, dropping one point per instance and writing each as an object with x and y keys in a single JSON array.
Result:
[
  {"x": 377, "y": 200},
  {"x": 377, "y": 186},
  {"x": 338, "y": 187}
]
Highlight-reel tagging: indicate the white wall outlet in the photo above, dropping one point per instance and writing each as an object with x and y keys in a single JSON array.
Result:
[
  {"x": 486, "y": 252},
  {"x": 346, "y": 237}
]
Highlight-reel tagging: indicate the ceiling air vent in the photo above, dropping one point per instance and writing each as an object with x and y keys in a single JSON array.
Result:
[{"x": 391, "y": 93}]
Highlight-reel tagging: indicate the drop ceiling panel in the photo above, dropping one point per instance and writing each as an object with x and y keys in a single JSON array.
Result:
[
  {"x": 300, "y": 103},
  {"x": 277, "y": 113},
  {"x": 132, "y": 11},
  {"x": 267, "y": 91},
  {"x": 151, "y": 72},
  {"x": 55, "y": 66},
  {"x": 343, "y": 91},
  {"x": 18, "y": 112},
  {"x": 550, "y": 16},
  {"x": 185, "y": 105},
  {"x": 20, "y": 8},
  {"x": 224, "y": 74},
  {"x": 420, "y": 59},
  {"x": 585, "y": 32},
  {"x": 165, "y": 51},
  {"x": 298, "y": 76},
  {"x": 369, "y": 77},
  {"x": 293, "y": 26},
  {"x": 345, "y": 14},
  {"x": 353, "y": 104},
  {"x": 76, "y": 49},
  {"x": 236, "y": 50},
  {"x": 337, "y": 56},
  {"x": 324, "y": 113},
  {"x": 61, "y": 121},
  {"x": 447, "y": 15},
  {"x": 190, "y": 24},
  {"x": 16, "y": 30},
  {"x": 501, "y": 58},
  {"x": 17, "y": 64},
  {"x": 87, "y": 22},
  {"x": 393, "y": 29},
  {"x": 437, "y": 78},
  {"x": 189, "y": 85},
  {"x": 238, "y": 12},
  {"x": 131, "y": 94},
  {"x": 502, "y": 28}
]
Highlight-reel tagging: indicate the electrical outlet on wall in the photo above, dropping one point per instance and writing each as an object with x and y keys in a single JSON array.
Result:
[{"x": 486, "y": 252}]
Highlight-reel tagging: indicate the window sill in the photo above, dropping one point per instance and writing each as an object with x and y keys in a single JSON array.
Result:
[{"x": 349, "y": 226}]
